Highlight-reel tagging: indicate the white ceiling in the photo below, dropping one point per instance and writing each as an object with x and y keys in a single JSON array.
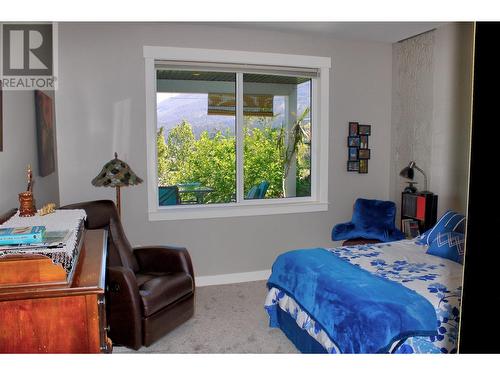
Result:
[{"x": 386, "y": 32}]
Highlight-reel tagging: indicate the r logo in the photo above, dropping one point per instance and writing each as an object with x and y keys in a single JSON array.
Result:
[{"x": 27, "y": 50}]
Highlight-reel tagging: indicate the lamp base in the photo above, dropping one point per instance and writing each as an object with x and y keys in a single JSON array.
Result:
[
  {"x": 118, "y": 203},
  {"x": 411, "y": 188}
]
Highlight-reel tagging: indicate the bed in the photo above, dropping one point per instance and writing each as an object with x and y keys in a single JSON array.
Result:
[{"x": 432, "y": 285}]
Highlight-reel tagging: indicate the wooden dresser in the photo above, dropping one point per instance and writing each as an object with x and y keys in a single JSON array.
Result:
[{"x": 39, "y": 313}]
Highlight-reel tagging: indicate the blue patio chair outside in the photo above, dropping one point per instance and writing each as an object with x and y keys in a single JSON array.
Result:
[
  {"x": 168, "y": 195},
  {"x": 253, "y": 193},
  {"x": 263, "y": 189}
]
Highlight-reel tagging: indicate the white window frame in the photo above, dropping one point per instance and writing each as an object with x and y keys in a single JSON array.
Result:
[{"x": 318, "y": 201}]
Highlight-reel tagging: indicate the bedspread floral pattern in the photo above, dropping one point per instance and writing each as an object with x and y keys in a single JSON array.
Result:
[{"x": 437, "y": 279}]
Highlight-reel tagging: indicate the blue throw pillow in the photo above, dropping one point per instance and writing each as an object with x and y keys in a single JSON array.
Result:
[
  {"x": 449, "y": 245},
  {"x": 449, "y": 222}
]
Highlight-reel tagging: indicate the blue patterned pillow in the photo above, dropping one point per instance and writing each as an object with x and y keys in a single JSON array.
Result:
[
  {"x": 449, "y": 222},
  {"x": 449, "y": 245}
]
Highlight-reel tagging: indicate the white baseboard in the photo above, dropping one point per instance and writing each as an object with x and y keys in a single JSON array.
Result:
[{"x": 231, "y": 278}]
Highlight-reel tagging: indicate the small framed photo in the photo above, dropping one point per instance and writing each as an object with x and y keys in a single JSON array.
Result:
[
  {"x": 363, "y": 153},
  {"x": 363, "y": 141},
  {"x": 352, "y": 166},
  {"x": 364, "y": 129},
  {"x": 353, "y": 128},
  {"x": 353, "y": 154},
  {"x": 353, "y": 141},
  {"x": 363, "y": 166}
]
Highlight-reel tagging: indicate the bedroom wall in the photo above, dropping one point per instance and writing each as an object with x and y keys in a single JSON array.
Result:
[
  {"x": 431, "y": 95},
  {"x": 19, "y": 150},
  {"x": 101, "y": 109}
]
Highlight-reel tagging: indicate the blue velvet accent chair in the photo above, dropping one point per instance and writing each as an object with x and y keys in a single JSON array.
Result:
[
  {"x": 168, "y": 195},
  {"x": 372, "y": 221}
]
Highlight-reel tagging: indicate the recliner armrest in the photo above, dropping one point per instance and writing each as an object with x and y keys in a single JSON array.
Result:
[
  {"x": 164, "y": 259},
  {"x": 341, "y": 231},
  {"x": 124, "y": 307}
]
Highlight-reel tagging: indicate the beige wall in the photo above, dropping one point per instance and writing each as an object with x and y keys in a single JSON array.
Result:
[
  {"x": 19, "y": 150},
  {"x": 431, "y": 112},
  {"x": 101, "y": 109},
  {"x": 452, "y": 115}
]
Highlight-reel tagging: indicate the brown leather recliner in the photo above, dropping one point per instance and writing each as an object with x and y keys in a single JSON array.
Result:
[{"x": 149, "y": 290}]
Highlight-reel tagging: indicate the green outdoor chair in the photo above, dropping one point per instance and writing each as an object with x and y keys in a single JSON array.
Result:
[
  {"x": 263, "y": 189},
  {"x": 168, "y": 195},
  {"x": 258, "y": 191},
  {"x": 253, "y": 193}
]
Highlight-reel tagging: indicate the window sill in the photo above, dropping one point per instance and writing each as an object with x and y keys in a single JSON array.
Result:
[{"x": 233, "y": 210}]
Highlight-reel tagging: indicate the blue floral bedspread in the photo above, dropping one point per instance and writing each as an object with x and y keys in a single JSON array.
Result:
[{"x": 438, "y": 280}]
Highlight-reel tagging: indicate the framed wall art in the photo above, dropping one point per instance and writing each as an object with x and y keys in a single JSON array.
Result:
[
  {"x": 1, "y": 120},
  {"x": 353, "y": 141},
  {"x": 364, "y": 153},
  {"x": 363, "y": 141},
  {"x": 353, "y": 166},
  {"x": 364, "y": 129},
  {"x": 353, "y": 128},
  {"x": 363, "y": 166},
  {"x": 358, "y": 152},
  {"x": 353, "y": 153},
  {"x": 45, "y": 130}
]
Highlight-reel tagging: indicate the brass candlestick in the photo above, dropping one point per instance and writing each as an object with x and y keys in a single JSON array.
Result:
[
  {"x": 27, "y": 204},
  {"x": 26, "y": 200}
]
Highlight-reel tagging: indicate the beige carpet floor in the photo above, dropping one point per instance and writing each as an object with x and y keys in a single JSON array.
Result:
[{"x": 228, "y": 319}]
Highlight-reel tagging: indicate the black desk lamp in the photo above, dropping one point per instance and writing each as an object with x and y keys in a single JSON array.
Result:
[{"x": 409, "y": 173}]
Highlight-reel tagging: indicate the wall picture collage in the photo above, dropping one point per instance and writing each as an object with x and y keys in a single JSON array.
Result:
[{"x": 358, "y": 152}]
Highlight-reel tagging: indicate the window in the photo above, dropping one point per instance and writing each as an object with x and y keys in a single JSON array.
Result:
[{"x": 232, "y": 138}]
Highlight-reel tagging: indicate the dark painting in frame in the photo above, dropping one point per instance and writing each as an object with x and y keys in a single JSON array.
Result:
[
  {"x": 363, "y": 141},
  {"x": 353, "y": 128},
  {"x": 353, "y": 166},
  {"x": 1, "y": 120},
  {"x": 364, "y": 153},
  {"x": 45, "y": 130},
  {"x": 363, "y": 166},
  {"x": 353, "y": 153},
  {"x": 353, "y": 141},
  {"x": 364, "y": 129}
]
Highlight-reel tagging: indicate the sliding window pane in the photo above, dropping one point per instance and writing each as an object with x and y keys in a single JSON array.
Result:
[
  {"x": 277, "y": 136},
  {"x": 196, "y": 137}
]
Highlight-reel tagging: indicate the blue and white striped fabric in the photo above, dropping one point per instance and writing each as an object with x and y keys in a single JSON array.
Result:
[{"x": 449, "y": 222}]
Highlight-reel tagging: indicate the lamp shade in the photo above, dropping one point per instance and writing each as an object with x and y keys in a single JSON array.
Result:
[
  {"x": 408, "y": 171},
  {"x": 116, "y": 173}
]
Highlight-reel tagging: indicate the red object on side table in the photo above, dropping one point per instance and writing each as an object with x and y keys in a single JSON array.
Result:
[
  {"x": 419, "y": 206},
  {"x": 420, "y": 215}
]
